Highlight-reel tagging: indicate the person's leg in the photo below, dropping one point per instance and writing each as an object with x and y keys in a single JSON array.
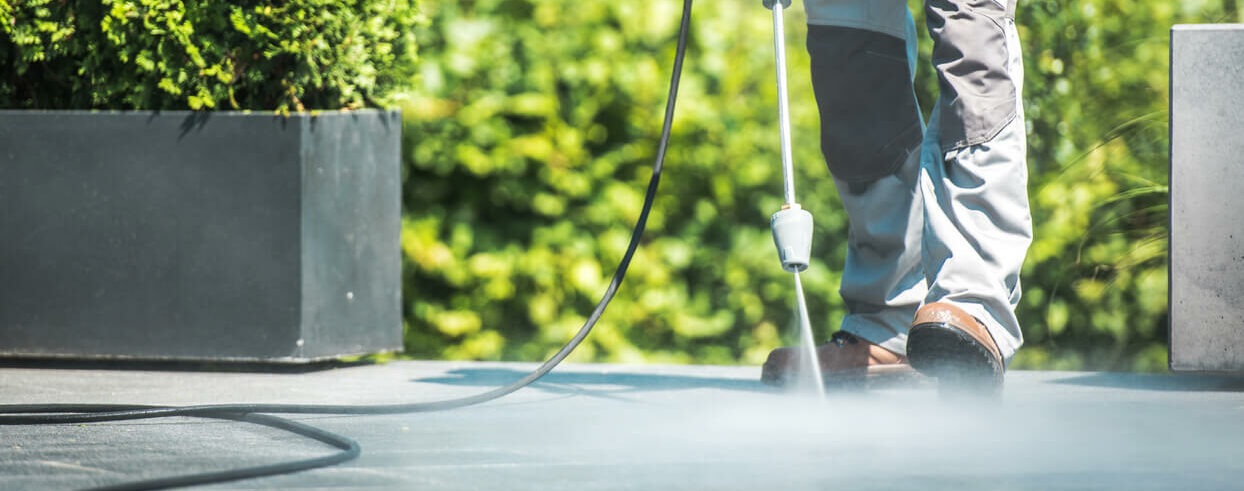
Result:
[
  {"x": 974, "y": 182},
  {"x": 863, "y": 63},
  {"x": 870, "y": 133},
  {"x": 882, "y": 280}
]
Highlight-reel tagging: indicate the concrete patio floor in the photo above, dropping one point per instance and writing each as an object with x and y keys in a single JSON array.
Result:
[{"x": 643, "y": 427}]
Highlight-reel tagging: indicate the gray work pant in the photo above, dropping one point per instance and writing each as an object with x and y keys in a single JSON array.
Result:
[{"x": 937, "y": 214}]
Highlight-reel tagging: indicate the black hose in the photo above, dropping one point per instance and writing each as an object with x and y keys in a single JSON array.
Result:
[{"x": 250, "y": 413}]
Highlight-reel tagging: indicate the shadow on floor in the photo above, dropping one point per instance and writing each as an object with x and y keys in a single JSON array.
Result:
[
  {"x": 1160, "y": 382},
  {"x": 178, "y": 365},
  {"x": 590, "y": 383}
]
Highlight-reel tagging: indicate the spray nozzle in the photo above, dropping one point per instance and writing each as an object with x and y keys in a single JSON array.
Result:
[{"x": 792, "y": 233}]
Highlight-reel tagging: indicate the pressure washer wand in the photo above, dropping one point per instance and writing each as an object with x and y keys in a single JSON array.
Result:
[
  {"x": 792, "y": 225},
  {"x": 779, "y": 49}
]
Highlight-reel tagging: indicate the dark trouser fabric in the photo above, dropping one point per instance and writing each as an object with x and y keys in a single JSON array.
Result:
[{"x": 865, "y": 134}]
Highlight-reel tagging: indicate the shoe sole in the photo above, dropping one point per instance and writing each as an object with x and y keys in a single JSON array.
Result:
[{"x": 959, "y": 362}]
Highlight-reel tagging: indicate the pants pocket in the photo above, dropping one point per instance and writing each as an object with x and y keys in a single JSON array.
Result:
[
  {"x": 972, "y": 60},
  {"x": 870, "y": 121}
]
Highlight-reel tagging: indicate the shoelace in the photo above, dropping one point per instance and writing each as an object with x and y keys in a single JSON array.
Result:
[{"x": 841, "y": 338}]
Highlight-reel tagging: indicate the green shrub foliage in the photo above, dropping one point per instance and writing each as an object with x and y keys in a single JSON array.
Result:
[
  {"x": 170, "y": 54},
  {"x": 530, "y": 136},
  {"x": 1097, "y": 98}
]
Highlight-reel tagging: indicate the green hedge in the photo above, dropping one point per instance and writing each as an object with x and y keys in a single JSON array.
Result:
[
  {"x": 529, "y": 138},
  {"x": 169, "y": 54}
]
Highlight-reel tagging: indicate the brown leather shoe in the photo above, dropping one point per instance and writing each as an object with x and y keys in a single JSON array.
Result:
[
  {"x": 845, "y": 358},
  {"x": 948, "y": 343}
]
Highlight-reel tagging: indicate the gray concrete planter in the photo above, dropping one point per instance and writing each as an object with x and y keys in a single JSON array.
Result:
[
  {"x": 1206, "y": 228},
  {"x": 196, "y": 236}
]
